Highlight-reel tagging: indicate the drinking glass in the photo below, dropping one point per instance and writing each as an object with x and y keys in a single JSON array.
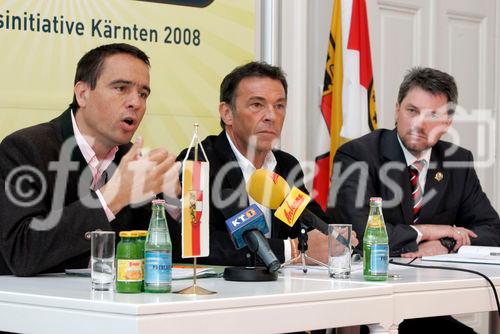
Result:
[
  {"x": 102, "y": 260},
  {"x": 339, "y": 250}
]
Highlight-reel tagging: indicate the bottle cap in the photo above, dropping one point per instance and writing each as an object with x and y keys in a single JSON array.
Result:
[
  {"x": 141, "y": 233},
  {"x": 376, "y": 200},
  {"x": 159, "y": 201},
  {"x": 128, "y": 234}
]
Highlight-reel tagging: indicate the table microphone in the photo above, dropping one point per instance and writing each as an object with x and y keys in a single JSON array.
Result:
[
  {"x": 272, "y": 191},
  {"x": 247, "y": 228}
]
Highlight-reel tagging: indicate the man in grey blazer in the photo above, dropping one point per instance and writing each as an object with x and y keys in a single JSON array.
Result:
[{"x": 79, "y": 172}]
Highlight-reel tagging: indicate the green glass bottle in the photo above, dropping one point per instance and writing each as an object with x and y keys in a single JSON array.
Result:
[
  {"x": 158, "y": 252},
  {"x": 129, "y": 272},
  {"x": 141, "y": 240},
  {"x": 375, "y": 244}
]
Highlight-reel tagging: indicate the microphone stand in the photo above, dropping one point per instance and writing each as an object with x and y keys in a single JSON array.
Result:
[
  {"x": 250, "y": 273},
  {"x": 302, "y": 246}
]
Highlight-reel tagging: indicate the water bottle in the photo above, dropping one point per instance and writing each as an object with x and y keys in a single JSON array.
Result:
[
  {"x": 158, "y": 252},
  {"x": 375, "y": 244}
]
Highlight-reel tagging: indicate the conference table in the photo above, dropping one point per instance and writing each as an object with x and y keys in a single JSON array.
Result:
[{"x": 57, "y": 303}]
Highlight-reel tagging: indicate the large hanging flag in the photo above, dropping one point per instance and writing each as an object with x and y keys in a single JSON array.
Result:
[
  {"x": 195, "y": 203},
  {"x": 348, "y": 102}
]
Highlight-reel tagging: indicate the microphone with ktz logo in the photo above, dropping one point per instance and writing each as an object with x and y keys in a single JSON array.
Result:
[{"x": 247, "y": 228}]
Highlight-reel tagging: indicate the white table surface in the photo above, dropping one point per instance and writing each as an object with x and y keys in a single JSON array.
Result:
[
  {"x": 62, "y": 304},
  {"x": 420, "y": 292},
  {"x": 297, "y": 301},
  {"x": 432, "y": 292}
]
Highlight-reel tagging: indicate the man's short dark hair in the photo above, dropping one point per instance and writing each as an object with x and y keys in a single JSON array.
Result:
[
  {"x": 89, "y": 67},
  {"x": 432, "y": 81},
  {"x": 253, "y": 69}
]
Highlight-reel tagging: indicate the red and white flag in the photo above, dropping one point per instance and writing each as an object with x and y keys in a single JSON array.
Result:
[
  {"x": 195, "y": 203},
  {"x": 348, "y": 102}
]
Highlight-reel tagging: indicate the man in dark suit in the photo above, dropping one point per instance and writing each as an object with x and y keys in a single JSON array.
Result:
[
  {"x": 252, "y": 108},
  {"x": 79, "y": 172},
  {"x": 432, "y": 200},
  {"x": 451, "y": 211}
]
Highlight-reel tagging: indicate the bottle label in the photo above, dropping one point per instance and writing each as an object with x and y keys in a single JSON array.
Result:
[
  {"x": 375, "y": 221},
  {"x": 129, "y": 270},
  {"x": 379, "y": 259},
  {"x": 158, "y": 267}
]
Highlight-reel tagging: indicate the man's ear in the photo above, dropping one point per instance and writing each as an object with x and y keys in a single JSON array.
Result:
[
  {"x": 397, "y": 108},
  {"x": 396, "y": 114},
  {"x": 81, "y": 91},
  {"x": 226, "y": 114},
  {"x": 449, "y": 121}
]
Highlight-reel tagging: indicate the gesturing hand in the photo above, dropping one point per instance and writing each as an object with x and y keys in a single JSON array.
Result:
[{"x": 138, "y": 179}]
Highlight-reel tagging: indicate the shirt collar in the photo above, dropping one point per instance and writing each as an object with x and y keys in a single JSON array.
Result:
[
  {"x": 410, "y": 158},
  {"x": 245, "y": 164},
  {"x": 87, "y": 151}
]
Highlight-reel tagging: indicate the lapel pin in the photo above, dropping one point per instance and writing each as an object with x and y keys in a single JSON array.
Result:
[{"x": 439, "y": 176}]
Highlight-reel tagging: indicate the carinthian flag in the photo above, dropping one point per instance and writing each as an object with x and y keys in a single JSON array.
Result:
[
  {"x": 195, "y": 209},
  {"x": 348, "y": 102}
]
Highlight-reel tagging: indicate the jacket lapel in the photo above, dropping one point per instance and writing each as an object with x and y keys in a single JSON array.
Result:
[
  {"x": 277, "y": 225},
  {"x": 392, "y": 152},
  {"x": 234, "y": 175},
  {"x": 435, "y": 185},
  {"x": 68, "y": 138},
  {"x": 68, "y": 134}
]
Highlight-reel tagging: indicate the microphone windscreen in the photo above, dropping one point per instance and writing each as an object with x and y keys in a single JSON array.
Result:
[{"x": 267, "y": 188}]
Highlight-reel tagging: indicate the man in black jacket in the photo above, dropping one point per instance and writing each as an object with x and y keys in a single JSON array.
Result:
[
  {"x": 79, "y": 172},
  {"x": 433, "y": 209},
  {"x": 432, "y": 200},
  {"x": 252, "y": 108}
]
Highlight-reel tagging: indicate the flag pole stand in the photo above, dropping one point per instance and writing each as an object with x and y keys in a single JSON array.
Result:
[{"x": 195, "y": 289}]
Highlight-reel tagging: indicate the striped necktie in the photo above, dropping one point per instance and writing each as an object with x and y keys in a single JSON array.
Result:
[{"x": 416, "y": 195}]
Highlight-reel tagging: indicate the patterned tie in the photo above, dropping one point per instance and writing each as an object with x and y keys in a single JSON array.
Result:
[{"x": 416, "y": 194}]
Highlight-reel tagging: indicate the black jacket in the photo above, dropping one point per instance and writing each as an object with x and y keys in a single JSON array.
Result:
[
  {"x": 58, "y": 239},
  {"x": 458, "y": 198}
]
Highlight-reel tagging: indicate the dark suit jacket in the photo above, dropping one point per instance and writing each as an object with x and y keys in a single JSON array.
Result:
[
  {"x": 57, "y": 241},
  {"x": 222, "y": 250},
  {"x": 458, "y": 197}
]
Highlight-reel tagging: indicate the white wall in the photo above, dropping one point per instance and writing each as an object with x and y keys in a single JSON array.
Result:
[{"x": 457, "y": 36}]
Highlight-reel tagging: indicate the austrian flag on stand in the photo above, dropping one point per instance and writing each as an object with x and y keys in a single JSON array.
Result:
[
  {"x": 195, "y": 202},
  {"x": 195, "y": 189}
]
